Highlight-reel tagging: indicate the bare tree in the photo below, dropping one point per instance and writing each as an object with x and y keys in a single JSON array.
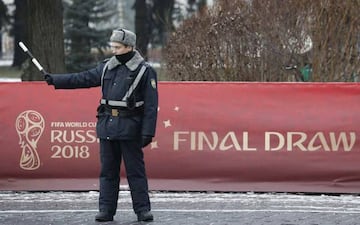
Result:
[
  {"x": 142, "y": 25},
  {"x": 45, "y": 37},
  {"x": 4, "y": 20},
  {"x": 153, "y": 22},
  {"x": 243, "y": 40},
  {"x": 336, "y": 36},
  {"x": 162, "y": 17},
  {"x": 19, "y": 30}
]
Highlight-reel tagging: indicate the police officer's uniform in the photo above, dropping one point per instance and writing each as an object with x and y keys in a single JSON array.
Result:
[{"x": 127, "y": 112}]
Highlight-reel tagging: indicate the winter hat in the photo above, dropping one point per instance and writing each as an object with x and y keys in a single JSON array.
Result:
[{"x": 123, "y": 36}]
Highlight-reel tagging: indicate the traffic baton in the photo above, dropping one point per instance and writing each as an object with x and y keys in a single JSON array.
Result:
[{"x": 33, "y": 59}]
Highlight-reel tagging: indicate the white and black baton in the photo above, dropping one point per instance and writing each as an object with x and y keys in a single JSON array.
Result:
[{"x": 33, "y": 59}]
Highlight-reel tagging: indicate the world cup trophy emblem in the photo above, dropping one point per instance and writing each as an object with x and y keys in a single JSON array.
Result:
[{"x": 29, "y": 126}]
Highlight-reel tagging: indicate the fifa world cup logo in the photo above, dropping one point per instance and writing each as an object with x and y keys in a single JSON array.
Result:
[{"x": 29, "y": 126}]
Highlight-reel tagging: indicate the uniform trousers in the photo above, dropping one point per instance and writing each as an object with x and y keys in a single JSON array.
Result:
[{"x": 111, "y": 154}]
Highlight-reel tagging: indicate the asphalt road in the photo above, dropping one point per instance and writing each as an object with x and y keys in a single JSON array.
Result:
[{"x": 175, "y": 208}]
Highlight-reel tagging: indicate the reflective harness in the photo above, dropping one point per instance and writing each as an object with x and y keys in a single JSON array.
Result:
[{"x": 123, "y": 102}]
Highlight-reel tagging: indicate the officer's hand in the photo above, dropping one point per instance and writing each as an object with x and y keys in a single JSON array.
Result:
[
  {"x": 48, "y": 79},
  {"x": 146, "y": 140}
]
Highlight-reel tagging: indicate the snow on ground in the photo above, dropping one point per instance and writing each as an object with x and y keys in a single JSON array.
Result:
[
  {"x": 179, "y": 208},
  {"x": 2, "y": 79},
  {"x": 211, "y": 201},
  {"x": 5, "y": 62}
]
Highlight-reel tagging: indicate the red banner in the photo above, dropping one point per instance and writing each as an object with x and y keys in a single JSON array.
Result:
[{"x": 210, "y": 136}]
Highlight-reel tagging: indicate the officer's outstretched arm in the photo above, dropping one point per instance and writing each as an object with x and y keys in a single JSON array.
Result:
[{"x": 48, "y": 78}]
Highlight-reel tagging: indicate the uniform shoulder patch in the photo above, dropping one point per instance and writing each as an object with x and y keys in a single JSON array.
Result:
[{"x": 153, "y": 83}]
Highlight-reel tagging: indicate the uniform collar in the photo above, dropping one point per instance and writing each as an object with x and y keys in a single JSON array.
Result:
[{"x": 132, "y": 64}]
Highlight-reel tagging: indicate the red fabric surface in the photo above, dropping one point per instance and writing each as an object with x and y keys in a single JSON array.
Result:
[{"x": 224, "y": 136}]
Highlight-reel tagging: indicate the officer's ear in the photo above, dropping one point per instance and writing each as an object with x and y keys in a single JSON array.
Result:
[{"x": 129, "y": 47}]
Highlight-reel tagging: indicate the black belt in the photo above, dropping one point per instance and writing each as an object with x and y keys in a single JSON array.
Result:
[{"x": 121, "y": 111}]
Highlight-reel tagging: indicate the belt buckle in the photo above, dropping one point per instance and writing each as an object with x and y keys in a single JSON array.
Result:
[{"x": 114, "y": 112}]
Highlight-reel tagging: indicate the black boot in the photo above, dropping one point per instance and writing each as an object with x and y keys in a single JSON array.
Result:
[
  {"x": 104, "y": 217},
  {"x": 145, "y": 216}
]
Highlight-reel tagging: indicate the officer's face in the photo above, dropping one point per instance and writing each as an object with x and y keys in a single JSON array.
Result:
[{"x": 119, "y": 49}]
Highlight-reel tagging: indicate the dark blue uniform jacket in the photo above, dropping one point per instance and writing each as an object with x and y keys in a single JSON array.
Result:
[{"x": 115, "y": 83}]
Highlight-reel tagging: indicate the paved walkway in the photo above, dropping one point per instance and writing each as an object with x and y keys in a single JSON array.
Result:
[{"x": 55, "y": 208}]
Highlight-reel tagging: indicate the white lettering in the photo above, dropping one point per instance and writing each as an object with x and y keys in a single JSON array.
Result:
[
  {"x": 177, "y": 139},
  {"x": 246, "y": 143},
  {"x": 321, "y": 142},
  {"x": 75, "y": 124},
  {"x": 342, "y": 139},
  {"x": 193, "y": 141},
  {"x": 274, "y": 141},
  {"x": 56, "y": 136},
  {"x": 57, "y": 124},
  {"x": 73, "y": 136},
  {"x": 198, "y": 141},
  {"x": 298, "y": 143},
  {"x": 304, "y": 142},
  {"x": 234, "y": 142},
  {"x": 268, "y": 140},
  {"x": 202, "y": 137}
]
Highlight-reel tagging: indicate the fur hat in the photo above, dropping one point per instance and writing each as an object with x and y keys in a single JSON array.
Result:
[{"x": 123, "y": 36}]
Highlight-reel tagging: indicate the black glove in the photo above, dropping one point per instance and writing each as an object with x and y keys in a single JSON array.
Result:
[
  {"x": 48, "y": 79},
  {"x": 145, "y": 140}
]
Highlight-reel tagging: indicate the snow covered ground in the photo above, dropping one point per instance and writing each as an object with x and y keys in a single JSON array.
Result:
[
  {"x": 9, "y": 79},
  {"x": 5, "y": 62},
  {"x": 183, "y": 208}
]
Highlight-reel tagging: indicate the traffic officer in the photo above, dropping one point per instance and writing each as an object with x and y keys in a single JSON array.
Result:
[{"x": 126, "y": 123}]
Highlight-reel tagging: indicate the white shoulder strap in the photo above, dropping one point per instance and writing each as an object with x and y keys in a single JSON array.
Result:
[
  {"x": 103, "y": 73},
  {"x": 135, "y": 83}
]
